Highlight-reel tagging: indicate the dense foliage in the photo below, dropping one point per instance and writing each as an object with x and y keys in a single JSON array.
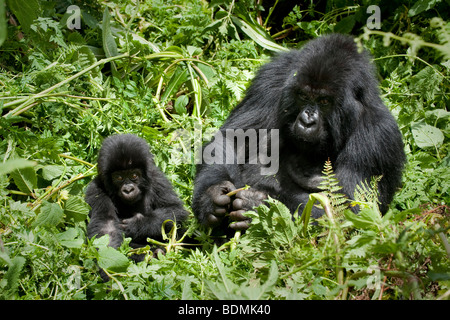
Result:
[{"x": 154, "y": 67}]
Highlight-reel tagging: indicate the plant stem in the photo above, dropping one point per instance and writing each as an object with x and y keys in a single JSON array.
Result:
[
  {"x": 232, "y": 193},
  {"x": 25, "y": 102}
]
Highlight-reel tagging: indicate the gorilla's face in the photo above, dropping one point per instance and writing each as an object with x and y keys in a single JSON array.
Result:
[
  {"x": 313, "y": 106},
  {"x": 127, "y": 185},
  {"x": 304, "y": 113}
]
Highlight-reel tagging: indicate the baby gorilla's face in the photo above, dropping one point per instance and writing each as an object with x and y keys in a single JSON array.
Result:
[{"x": 126, "y": 183}]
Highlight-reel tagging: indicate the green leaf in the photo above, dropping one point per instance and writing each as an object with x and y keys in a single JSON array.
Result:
[
  {"x": 212, "y": 26},
  {"x": 76, "y": 208},
  {"x": 13, "y": 164},
  {"x": 426, "y": 136},
  {"x": 101, "y": 242},
  {"x": 109, "y": 44},
  {"x": 187, "y": 291},
  {"x": 181, "y": 103},
  {"x": 51, "y": 172},
  {"x": 145, "y": 42},
  {"x": 26, "y": 11},
  {"x": 12, "y": 276},
  {"x": 3, "y": 29},
  {"x": 178, "y": 78},
  {"x": 426, "y": 82},
  {"x": 69, "y": 239},
  {"x": 111, "y": 259},
  {"x": 270, "y": 283},
  {"x": 51, "y": 215},
  {"x": 368, "y": 218},
  {"x": 165, "y": 55},
  {"x": 345, "y": 25},
  {"x": 422, "y": 5},
  {"x": 205, "y": 71},
  {"x": 257, "y": 35},
  {"x": 25, "y": 179}
]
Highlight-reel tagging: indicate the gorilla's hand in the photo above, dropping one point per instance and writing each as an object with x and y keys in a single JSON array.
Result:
[
  {"x": 220, "y": 201},
  {"x": 245, "y": 201},
  {"x": 132, "y": 225}
]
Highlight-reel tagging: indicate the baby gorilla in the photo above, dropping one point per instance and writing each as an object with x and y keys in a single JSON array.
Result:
[{"x": 130, "y": 196}]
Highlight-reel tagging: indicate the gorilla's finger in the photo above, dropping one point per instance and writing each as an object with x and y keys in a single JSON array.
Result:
[
  {"x": 243, "y": 194},
  {"x": 213, "y": 220},
  {"x": 220, "y": 211},
  {"x": 240, "y": 225},
  {"x": 227, "y": 186},
  {"x": 158, "y": 250},
  {"x": 221, "y": 200},
  {"x": 238, "y": 215},
  {"x": 238, "y": 204},
  {"x": 125, "y": 221}
]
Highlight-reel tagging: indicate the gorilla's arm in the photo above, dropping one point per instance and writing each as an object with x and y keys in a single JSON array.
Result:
[
  {"x": 214, "y": 181},
  {"x": 160, "y": 203},
  {"x": 372, "y": 149},
  {"x": 211, "y": 203},
  {"x": 103, "y": 214}
]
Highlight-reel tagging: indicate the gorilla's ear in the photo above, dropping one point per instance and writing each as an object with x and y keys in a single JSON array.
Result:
[{"x": 150, "y": 167}]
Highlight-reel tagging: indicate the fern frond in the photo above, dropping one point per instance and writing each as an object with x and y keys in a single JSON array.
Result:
[
  {"x": 330, "y": 186},
  {"x": 368, "y": 193}
]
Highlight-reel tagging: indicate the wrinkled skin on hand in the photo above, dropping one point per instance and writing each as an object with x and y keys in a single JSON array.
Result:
[
  {"x": 221, "y": 202},
  {"x": 245, "y": 200},
  {"x": 235, "y": 206}
]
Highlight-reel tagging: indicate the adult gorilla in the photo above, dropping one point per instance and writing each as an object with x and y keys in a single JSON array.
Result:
[{"x": 324, "y": 101}]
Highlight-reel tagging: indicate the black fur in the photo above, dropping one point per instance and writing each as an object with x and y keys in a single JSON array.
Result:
[
  {"x": 351, "y": 126},
  {"x": 144, "y": 216}
]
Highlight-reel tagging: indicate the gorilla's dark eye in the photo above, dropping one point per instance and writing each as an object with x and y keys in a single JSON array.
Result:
[
  {"x": 300, "y": 94},
  {"x": 324, "y": 101},
  {"x": 119, "y": 177},
  {"x": 134, "y": 176}
]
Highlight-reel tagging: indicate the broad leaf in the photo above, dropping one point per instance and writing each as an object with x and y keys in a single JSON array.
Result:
[
  {"x": 3, "y": 29},
  {"x": 70, "y": 239},
  {"x": 181, "y": 103},
  {"x": 257, "y": 35},
  {"x": 76, "y": 208},
  {"x": 13, "y": 164},
  {"x": 25, "y": 179},
  {"x": 426, "y": 136},
  {"x": 422, "y": 5},
  {"x": 178, "y": 78},
  {"x": 111, "y": 259},
  {"x": 51, "y": 215},
  {"x": 51, "y": 172},
  {"x": 26, "y": 11},
  {"x": 12, "y": 276},
  {"x": 109, "y": 44}
]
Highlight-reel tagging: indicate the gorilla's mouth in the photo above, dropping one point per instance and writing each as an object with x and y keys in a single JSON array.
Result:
[
  {"x": 306, "y": 132},
  {"x": 130, "y": 197}
]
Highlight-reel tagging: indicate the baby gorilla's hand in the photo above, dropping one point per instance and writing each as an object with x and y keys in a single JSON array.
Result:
[
  {"x": 245, "y": 201},
  {"x": 131, "y": 226}
]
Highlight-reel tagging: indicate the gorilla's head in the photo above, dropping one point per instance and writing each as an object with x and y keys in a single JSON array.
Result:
[
  {"x": 325, "y": 93},
  {"x": 123, "y": 164}
]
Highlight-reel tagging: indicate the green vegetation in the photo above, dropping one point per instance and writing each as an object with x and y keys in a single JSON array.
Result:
[{"x": 154, "y": 67}]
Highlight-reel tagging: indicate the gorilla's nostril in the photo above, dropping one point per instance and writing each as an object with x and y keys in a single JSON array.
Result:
[
  {"x": 128, "y": 189},
  {"x": 307, "y": 121}
]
